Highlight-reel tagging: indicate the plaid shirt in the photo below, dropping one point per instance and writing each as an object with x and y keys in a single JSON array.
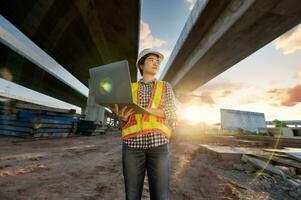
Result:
[{"x": 151, "y": 140}]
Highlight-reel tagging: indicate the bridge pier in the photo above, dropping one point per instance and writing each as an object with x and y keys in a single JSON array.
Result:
[{"x": 93, "y": 111}]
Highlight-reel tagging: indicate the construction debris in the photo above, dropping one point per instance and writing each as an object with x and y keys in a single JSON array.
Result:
[
  {"x": 282, "y": 163},
  {"x": 271, "y": 141},
  {"x": 86, "y": 127},
  {"x": 294, "y": 153},
  {"x": 31, "y": 121},
  {"x": 229, "y": 153},
  {"x": 263, "y": 165}
]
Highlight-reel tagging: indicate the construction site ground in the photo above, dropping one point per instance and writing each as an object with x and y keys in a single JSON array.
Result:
[{"x": 90, "y": 168}]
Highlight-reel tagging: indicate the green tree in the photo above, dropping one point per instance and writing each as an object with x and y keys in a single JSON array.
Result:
[{"x": 278, "y": 124}]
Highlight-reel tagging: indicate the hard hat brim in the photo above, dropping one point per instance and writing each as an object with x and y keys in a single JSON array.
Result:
[{"x": 144, "y": 53}]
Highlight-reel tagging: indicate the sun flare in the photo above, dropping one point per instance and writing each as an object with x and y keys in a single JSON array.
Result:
[{"x": 192, "y": 114}]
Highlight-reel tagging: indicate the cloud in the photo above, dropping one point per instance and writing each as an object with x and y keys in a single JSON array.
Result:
[
  {"x": 191, "y": 98},
  {"x": 190, "y": 3},
  {"x": 290, "y": 41},
  {"x": 286, "y": 97},
  {"x": 254, "y": 95},
  {"x": 166, "y": 53},
  {"x": 220, "y": 89},
  {"x": 222, "y": 85},
  {"x": 213, "y": 93},
  {"x": 226, "y": 93},
  {"x": 147, "y": 40},
  {"x": 296, "y": 76},
  {"x": 207, "y": 99}
]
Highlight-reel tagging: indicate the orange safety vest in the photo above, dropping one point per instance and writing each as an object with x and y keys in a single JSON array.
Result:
[{"x": 139, "y": 124}]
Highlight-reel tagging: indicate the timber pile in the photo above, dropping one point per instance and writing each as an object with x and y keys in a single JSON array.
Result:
[
  {"x": 88, "y": 128},
  {"x": 289, "y": 158},
  {"x": 228, "y": 153},
  {"x": 269, "y": 140},
  {"x": 282, "y": 163},
  {"x": 28, "y": 120}
]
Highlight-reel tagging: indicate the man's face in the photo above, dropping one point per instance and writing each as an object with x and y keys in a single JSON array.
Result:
[{"x": 151, "y": 65}]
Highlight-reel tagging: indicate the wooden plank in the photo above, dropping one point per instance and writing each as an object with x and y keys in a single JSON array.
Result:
[
  {"x": 292, "y": 149},
  {"x": 46, "y": 121},
  {"x": 15, "y": 107},
  {"x": 8, "y": 117},
  {"x": 30, "y": 115},
  {"x": 6, "y": 107},
  {"x": 222, "y": 149},
  {"x": 33, "y": 123},
  {"x": 280, "y": 160},
  {"x": 53, "y": 130},
  {"x": 295, "y": 155},
  {"x": 282, "y": 142},
  {"x": 64, "y": 134},
  {"x": 16, "y": 123},
  {"x": 229, "y": 153},
  {"x": 53, "y": 121},
  {"x": 13, "y": 133},
  {"x": 24, "y": 105},
  {"x": 250, "y": 142},
  {"x": 263, "y": 165},
  {"x": 283, "y": 151},
  {"x": 231, "y": 150},
  {"x": 280, "y": 151},
  {"x": 54, "y": 125},
  {"x": 289, "y": 137},
  {"x": 8, "y": 112},
  {"x": 15, "y": 128}
]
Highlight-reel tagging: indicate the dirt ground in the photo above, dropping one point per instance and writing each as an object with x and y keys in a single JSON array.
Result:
[{"x": 90, "y": 168}]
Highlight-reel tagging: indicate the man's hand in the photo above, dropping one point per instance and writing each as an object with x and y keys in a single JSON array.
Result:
[{"x": 123, "y": 113}]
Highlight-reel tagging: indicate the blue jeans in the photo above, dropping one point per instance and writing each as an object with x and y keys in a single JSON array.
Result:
[{"x": 156, "y": 162}]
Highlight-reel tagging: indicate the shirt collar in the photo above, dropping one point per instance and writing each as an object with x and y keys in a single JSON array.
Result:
[{"x": 151, "y": 82}]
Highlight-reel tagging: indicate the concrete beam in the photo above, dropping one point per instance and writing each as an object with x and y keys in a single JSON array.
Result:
[
  {"x": 219, "y": 34},
  {"x": 77, "y": 34},
  {"x": 12, "y": 90},
  {"x": 20, "y": 43}
]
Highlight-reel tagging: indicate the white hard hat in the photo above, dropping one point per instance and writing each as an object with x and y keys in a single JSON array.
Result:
[{"x": 149, "y": 51}]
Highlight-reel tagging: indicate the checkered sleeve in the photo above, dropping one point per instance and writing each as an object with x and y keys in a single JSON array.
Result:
[{"x": 169, "y": 105}]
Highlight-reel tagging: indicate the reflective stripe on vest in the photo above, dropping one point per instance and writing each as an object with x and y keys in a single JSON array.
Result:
[{"x": 139, "y": 124}]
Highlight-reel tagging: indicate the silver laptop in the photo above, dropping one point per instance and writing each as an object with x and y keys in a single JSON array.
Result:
[{"x": 111, "y": 84}]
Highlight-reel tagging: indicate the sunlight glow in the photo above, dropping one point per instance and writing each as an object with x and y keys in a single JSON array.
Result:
[{"x": 193, "y": 114}]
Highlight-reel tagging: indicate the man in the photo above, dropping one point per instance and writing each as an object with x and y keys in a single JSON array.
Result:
[{"x": 146, "y": 136}]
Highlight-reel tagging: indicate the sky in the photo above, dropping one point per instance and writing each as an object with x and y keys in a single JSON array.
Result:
[
  {"x": 161, "y": 24},
  {"x": 267, "y": 81}
]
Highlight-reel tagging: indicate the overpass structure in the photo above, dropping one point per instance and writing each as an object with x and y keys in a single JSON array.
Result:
[
  {"x": 48, "y": 46},
  {"x": 219, "y": 34}
]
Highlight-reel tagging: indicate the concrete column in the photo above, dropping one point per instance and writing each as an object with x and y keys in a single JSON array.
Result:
[{"x": 93, "y": 111}]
